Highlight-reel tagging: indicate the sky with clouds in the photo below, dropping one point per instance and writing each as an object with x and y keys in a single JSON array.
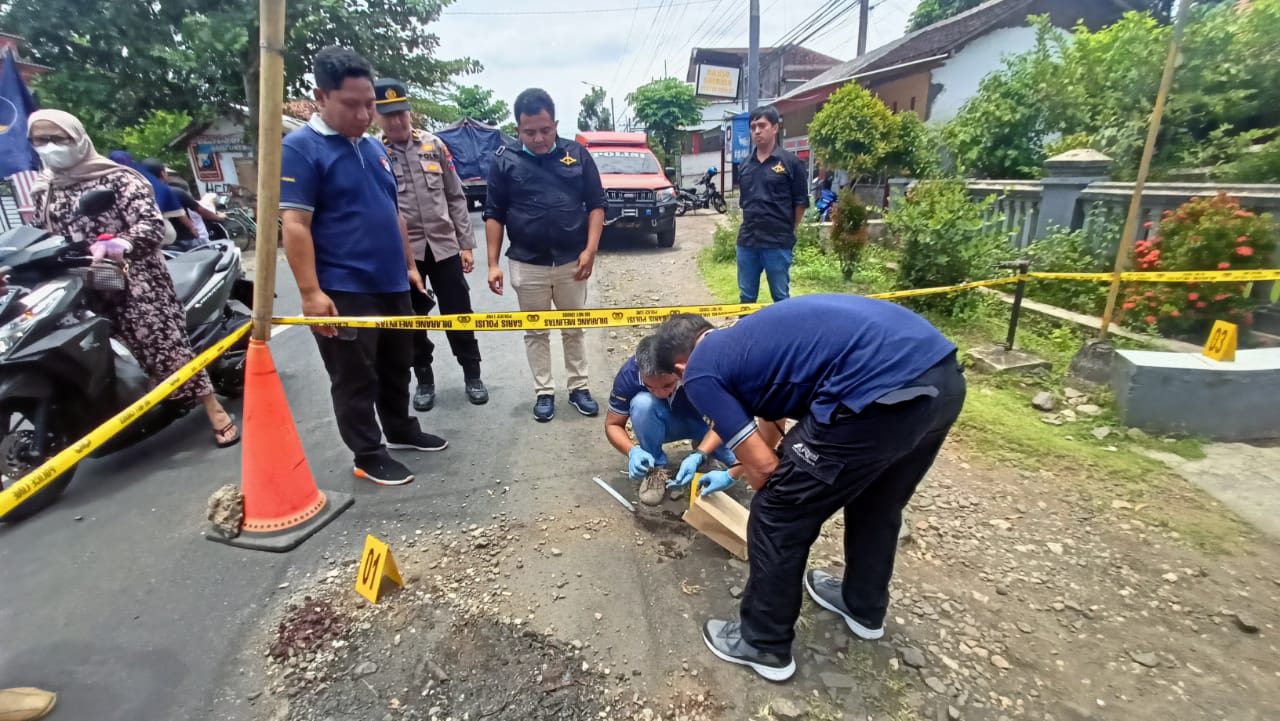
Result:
[{"x": 621, "y": 44}]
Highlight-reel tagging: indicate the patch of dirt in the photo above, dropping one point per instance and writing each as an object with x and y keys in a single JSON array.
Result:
[
  {"x": 445, "y": 647},
  {"x": 1016, "y": 595}
]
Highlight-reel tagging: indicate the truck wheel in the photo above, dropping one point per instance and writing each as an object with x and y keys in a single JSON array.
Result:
[{"x": 667, "y": 238}]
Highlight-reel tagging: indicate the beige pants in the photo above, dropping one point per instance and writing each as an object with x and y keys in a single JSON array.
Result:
[{"x": 544, "y": 287}]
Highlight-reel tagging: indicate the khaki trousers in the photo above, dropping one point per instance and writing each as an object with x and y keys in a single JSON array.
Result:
[{"x": 545, "y": 287}]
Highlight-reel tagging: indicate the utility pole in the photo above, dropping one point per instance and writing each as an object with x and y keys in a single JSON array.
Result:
[
  {"x": 864, "y": 9},
  {"x": 613, "y": 115},
  {"x": 1144, "y": 167},
  {"x": 753, "y": 59}
]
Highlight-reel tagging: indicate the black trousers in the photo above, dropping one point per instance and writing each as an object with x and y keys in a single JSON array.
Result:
[
  {"x": 370, "y": 372},
  {"x": 867, "y": 464},
  {"x": 454, "y": 296}
]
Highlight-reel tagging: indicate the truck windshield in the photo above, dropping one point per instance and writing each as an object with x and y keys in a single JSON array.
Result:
[{"x": 626, "y": 162}]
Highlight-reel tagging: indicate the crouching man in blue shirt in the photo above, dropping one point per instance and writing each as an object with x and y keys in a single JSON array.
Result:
[
  {"x": 659, "y": 412},
  {"x": 875, "y": 389}
]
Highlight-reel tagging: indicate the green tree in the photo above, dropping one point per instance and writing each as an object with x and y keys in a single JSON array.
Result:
[
  {"x": 854, "y": 131},
  {"x": 929, "y": 12},
  {"x": 151, "y": 137},
  {"x": 594, "y": 115},
  {"x": 1000, "y": 132},
  {"x": 665, "y": 107},
  {"x": 114, "y": 62},
  {"x": 473, "y": 101},
  {"x": 1095, "y": 89}
]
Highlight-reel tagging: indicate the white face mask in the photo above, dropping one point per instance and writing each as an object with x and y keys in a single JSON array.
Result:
[{"x": 57, "y": 157}]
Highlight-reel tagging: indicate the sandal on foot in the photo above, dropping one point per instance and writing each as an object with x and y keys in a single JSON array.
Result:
[{"x": 222, "y": 432}]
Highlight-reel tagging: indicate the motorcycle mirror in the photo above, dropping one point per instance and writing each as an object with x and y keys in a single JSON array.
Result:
[{"x": 96, "y": 202}]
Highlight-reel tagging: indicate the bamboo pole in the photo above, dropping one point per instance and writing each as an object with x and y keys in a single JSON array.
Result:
[
  {"x": 1144, "y": 168},
  {"x": 270, "y": 111}
]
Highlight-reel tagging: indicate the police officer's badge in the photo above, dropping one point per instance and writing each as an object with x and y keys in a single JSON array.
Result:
[
  {"x": 568, "y": 160},
  {"x": 779, "y": 168},
  {"x": 386, "y": 164}
]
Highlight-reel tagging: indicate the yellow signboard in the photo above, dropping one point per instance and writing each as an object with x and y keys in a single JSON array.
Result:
[
  {"x": 717, "y": 82},
  {"x": 1222, "y": 341},
  {"x": 375, "y": 564}
]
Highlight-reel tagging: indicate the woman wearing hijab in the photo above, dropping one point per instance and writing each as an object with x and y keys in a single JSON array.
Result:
[{"x": 149, "y": 320}]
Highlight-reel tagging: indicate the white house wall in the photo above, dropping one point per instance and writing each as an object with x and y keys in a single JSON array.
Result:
[{"x": 958, "y": 78}]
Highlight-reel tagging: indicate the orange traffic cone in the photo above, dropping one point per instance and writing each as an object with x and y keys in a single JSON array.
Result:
[{"x": 282, "y": 506}]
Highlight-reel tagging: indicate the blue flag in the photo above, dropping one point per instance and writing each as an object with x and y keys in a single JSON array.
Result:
[{"x": 16, "y": 153}]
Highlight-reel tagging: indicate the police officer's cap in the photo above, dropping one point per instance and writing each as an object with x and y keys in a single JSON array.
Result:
[{"x": 390, "y": 96}]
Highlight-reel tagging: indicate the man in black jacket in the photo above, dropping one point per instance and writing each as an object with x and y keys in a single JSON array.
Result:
[{"x": 545, "y": 193}]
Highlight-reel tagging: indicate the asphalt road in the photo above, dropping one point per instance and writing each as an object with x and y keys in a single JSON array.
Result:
[{"x": 130, "y": 614}]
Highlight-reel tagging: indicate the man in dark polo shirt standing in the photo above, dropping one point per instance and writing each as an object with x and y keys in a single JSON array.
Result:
[
  {"x": 349, "y": 252},
  {"x": 875, "y": 389},
  {"x": 774, "y": 192},
  {"x": 544, "y": 193}
]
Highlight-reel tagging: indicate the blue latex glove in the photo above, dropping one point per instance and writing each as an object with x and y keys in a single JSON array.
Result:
[
  {"x": 713, "y": 482},
  {"x": 687, "y": 468},
  {"x": 639, "y": 463}
]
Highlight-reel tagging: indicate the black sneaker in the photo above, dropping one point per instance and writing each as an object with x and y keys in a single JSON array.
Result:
[
  {"x": 545, "y": 408},
  {"x": 724, "y": 638},
  {"x": 476, "y": 392},
  {"x": 826, "y": 591},
  {"x": 383, "y": 470},
  {"x": 418, "y": 441},
  {"x": 424, "y": 398},
  {"x": 581, "y": 400}
]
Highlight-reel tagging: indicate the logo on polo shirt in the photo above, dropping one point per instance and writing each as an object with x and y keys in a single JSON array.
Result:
[
  {"x": 779, "y": 168},
  {"x": 568, "y": 160}
]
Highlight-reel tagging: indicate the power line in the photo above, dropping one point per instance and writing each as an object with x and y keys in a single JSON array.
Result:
[
  {"x": 834, "y": 18},
  {"x": 595, "y": 11},
  {"x": 626, "y": 47}
]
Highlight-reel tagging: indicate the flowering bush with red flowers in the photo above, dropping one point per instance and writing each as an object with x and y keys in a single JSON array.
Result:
[{"x": 1204, "y": 234}]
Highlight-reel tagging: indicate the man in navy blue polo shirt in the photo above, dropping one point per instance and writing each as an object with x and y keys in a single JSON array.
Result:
[
  {"x": 773, "y": 194},
  {"x": 350, "y": 254},
  {"x": 659, "y": 412},
  {"x": 875, "y": 388}
]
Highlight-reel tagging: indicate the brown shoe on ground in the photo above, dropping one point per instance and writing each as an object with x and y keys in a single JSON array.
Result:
[
  {"x": 654, "y": 487},
  {"x": 25, "y": 704}
]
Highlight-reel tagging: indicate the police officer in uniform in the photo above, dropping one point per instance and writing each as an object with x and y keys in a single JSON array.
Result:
[
  {"x": 875, "y": 389},
  {"x": 435, "y": 209},
  {"x": 545, "y": 193}
]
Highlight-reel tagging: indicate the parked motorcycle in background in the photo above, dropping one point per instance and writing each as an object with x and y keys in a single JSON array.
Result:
[
  {"x": 62, "y": 373},
  {"x": 706, "y": 196},
  {"x": 825, "y": 205},
  {"x": 239, "y": 227}
]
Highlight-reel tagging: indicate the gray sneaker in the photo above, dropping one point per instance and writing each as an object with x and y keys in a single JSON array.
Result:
[
  {"x": 826, "y": 591},
  {"x": 654, "y": 487},
  {"x": 724, "y": 639}
]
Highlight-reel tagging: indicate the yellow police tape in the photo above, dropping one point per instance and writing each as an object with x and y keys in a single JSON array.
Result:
[
  {"x": 943, "y": 289},
  {"x": 587, "y": 318},
  {"x": 538, "y": 320},
  {"x": 534, "y": 320},
  {"x": 59, "y": 464},
  {"x": 1193, "y": 276}
]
